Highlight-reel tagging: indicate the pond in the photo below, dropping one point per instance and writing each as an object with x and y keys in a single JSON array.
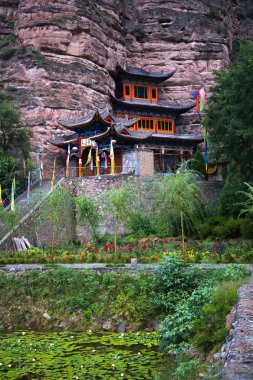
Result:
[{"x": 67, "y": 355}]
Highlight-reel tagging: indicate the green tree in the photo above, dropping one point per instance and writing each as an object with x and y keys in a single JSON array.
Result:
[
  {"x": 117, "y": 203},
  {"x": 14, "y": 144},
  {"x": 197, "y": 163},
  {"x": 88, "y": 213},
  {"x": 230, "y": 114},
  {"x": 14, "y": 137},
  {"x": 180, "y": 204},
  {"x": 57, "y": 212},
  {"x": 247, "y": 205}
]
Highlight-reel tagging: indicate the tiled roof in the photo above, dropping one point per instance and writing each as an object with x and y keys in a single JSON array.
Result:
[
  {"x": 176, "y": 109},
  {"x": 144, "y": 74}
]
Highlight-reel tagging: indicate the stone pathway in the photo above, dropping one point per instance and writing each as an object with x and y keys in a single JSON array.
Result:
[
  {"x": 95, "y": 266},
  {"x": 239, "y": 348}
]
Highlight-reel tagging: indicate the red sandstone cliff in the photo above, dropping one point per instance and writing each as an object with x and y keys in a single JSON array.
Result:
[{"x": 66, "y": 50}]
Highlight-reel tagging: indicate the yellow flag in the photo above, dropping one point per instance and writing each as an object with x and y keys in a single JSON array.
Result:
[
  {"x": 13, "y": 187},
  {"x": 1, "y": 200},
  {"x": 89, "y": 158}
]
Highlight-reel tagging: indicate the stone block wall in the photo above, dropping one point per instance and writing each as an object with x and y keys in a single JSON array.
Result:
[
  {"x": 96, "y": 186},
  {"x": 146, "y": 162}
]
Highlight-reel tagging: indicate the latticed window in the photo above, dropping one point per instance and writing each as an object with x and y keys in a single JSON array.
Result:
[
  {"x": 140, "y": 92},
  {"x": 146, "y": 123},
  {"x": 165, "y": 125}
]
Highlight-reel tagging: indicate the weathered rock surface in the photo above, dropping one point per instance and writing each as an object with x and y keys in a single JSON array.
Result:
[{"x": 66, "y": 51}]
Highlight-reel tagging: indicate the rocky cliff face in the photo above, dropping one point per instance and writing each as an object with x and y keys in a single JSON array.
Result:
[{"x": 65, "y": 52}]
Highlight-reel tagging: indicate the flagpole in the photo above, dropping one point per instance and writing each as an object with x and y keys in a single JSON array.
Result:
[
  {"x": 53, "y": 176},
  {"x": 1, "y": 199},
  {"x": 67, "y": 161},
  {"x": 13, "y": 186},
  {"x": 28, "y": 187}
]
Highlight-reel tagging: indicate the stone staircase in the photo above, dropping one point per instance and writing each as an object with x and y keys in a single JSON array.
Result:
[{"x": 24, "y": 209}]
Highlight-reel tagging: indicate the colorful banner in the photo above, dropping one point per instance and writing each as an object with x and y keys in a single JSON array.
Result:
[
  {"x": 53, "y": 176},
  {"x": 200, "y": 97},
  {"x": 89, "y": 157},
  {"x": 38, "y": 165},
  {"x": 91, "y": 163},
  {"x": 67, "y": 161},
  {"x": 1, "y": 199},
  {"x": 41, "y": 172},
  {"x": 13, "y": 188},
  {"x": 28, "y": 188},
  {"x": 205, "y": 148}
]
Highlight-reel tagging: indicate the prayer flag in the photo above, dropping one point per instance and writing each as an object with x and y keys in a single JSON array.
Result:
[
  {"x": 28, "y": 188},
  {"x": 13, "y": 188},
  {"x": 91, "y": 163},
  {"x": 89, "y": 157},
  {"x": 67, "y": 161},
  {"x": 202, "y": 95},
  {"x": 197, "y": 102},
  {"x": 38, "y": 165},
  {"x": 53, "y": 176},
  {"x": 1, "y": 199},
  {"x": 205, "y": 147},
  {"x": 68, "y": 155},
  {"x": 41, "y": 172},
  {"x": 112, "y": 150}
]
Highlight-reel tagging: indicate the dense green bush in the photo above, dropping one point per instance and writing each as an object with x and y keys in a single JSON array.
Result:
[
  {"x": 199, "y": 308},
  {"x": 174, "y": 281},
  {"x": 223, "y": 227},
  {"x": 231, "y": 196}
]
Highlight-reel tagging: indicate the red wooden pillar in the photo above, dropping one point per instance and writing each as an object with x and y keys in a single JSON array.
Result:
[
  {"x": 155, "y": 125},
  {"x": 131, "y": 86}
]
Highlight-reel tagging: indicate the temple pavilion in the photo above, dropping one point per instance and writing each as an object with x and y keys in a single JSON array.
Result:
[{"x": 138, "y": 135}]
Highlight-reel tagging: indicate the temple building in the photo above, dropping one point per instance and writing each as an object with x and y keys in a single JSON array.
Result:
[{"x": 139, "y": 135}]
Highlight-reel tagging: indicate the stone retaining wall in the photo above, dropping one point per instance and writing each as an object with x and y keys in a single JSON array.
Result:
[{"x": 237, "y": 353}]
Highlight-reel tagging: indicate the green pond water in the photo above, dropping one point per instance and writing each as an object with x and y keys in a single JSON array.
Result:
[{"x": 58, "y": 355}]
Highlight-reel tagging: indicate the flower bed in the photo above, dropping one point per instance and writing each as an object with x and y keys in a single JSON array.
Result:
[{"x": 149, "y": 251}]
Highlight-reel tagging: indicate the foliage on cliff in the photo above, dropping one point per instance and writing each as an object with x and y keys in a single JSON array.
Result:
[
  {"x": 14, "y": 143},
  {"x": 229, "y": 121}
]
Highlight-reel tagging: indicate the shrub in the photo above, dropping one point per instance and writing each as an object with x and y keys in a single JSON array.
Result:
[
  {"x": 7, "y": 53},
  {"x": 230, "y": 196},
  {"x": 246, "y": 228},
  {"x": 174, "y": 280},
  {"x": 88, "y": 212},
  {"x": 230, "y": 229},
  {"x": 209, "y": 330}
]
